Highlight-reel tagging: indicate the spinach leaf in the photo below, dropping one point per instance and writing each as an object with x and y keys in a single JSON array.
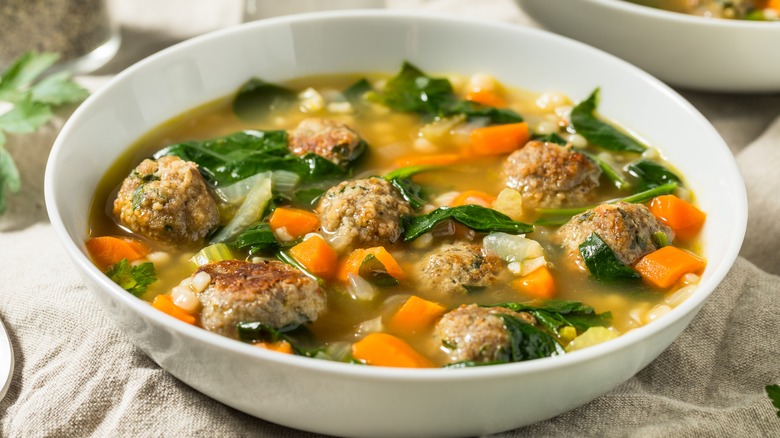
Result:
[
  {"x": 356, "y": 92},
  {"x": 602, "y": 262},
  {"x": 258, "y": 238},
  {"x": 308, "y": 196},
  {"x": 556, "y": 314},
  {"x": 414, "y": 91},
  {"x": 252, "y": 332},
  {"x": 228, "y": 159},
  {"x": 598, "y": 132},
  {"x": 559, "y": 216},
  {"x": 473, "y": 110},
  {"x": 552, "y": 138},
  {"x": 374, "y": 271},
  {"x": 401, "y": 179},
  {"x": 612, "y": 175},
  {"x": 476, "y": 217},
  {"x": 134, "y": 279},
  {"x": 651, "y": 174},
  {"x": 526, "y": 341},
  {"x": 258, "y": 98}
]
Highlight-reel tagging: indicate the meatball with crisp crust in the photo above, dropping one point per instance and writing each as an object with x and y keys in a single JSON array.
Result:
[
  {"x": 459, "y": 268},
  {"x": 550, "y": 176},
  {"x": 168, "y": 201},
  {"x": 626, "y": 228},
  {"x": 329, "y": 139},
  {"x": 270, "y": 292},
  {"x": 362, "y": 213},
  {"x": 474, "y": 333}
]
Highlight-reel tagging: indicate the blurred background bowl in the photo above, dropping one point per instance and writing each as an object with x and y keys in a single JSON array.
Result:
[
  {"x": 687, "y": 51},
  {"x": 344, "y": 399}
]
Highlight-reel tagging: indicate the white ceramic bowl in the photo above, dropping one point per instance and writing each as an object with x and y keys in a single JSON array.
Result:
[
  {"x": 343, "y": 399},
  {"x": 684, "y": 50}
]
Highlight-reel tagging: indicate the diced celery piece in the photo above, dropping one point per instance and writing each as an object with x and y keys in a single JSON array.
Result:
[
  {"x": 212, "y": 253},
  {"x": 591, "y": 336}
]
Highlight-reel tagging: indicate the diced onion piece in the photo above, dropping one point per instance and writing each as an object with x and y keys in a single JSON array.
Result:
[
  {"x": 338, "y": 351},
  {"x": 340, "y": 107},
  {"x": 250, "y": 211},
  {"x": 371, "y": 326},
  {"x": 657, "y": 312},
  {"x": 510, "y": 203},
  {"x": 680, "y": 295},
  {"x": 235, "y": 193},
  {"x": 440, "y": 128},
  {"x": 285, "y": 181},
  {"x": 530, "y": 265},
  {"x": 360, "y": 289},
  {"x": 591, "y": 337},
  {"x": 311, "y": 101},
  {"x": 282, "y": 234},
  {"x": 511, "y": 248}
]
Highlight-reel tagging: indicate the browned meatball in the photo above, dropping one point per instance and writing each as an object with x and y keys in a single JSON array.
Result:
[
  {"x": 329, "y": 139},
  {"x": 270, "y": 292},
  {"x": 551, "y": 176},
  {"x": 362, "y": 213},
  {"x": 168, "y": 201},
  {"x": 459, "y": 268},
  {"x": 474, "y": 333},
  {"x": 626, "y": 228}
]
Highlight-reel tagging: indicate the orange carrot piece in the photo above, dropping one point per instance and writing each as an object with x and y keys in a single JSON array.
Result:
[
  {"x": 539, "y": 283},
  {"x": 278, "y": 346},
  {"x": 317, "y": 256},
  {"x": 681, "y": 216},
  {"x": 665, "y": 266},
  {"x": 351, "y": 265},
  {"x": 427, "y": 160},
  {"x": 773, "y": 4},
  {"x": 381, "y": 349},
  {"x": 415, "y": 315},
  {"x": 486, "y": 97},
  {"x": 499, "y": 139},
  {"x": 297, "y": 222},
  {"x": 473, "y": 197},
  {"x": 109, "y": 250},
  {"x": 165, "y": 304}
]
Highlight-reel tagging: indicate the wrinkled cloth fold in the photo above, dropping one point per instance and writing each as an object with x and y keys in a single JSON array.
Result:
[{"x": 76, "y": 374}]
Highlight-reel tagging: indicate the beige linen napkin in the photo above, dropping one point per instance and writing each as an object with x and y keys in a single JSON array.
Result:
[{"x": 77, "y": 375}]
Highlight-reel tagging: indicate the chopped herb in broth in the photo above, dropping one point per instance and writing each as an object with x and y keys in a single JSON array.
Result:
[{"x": 407, "y": 220}]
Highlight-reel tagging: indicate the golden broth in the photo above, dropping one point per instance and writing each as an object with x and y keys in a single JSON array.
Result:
[{"x": 390, "y": 135}]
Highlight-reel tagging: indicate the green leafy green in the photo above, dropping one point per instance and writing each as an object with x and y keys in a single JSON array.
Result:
[
  {"x": 558, "y": 216},
  {"x": 134, "y": 279},
  {"x": 552, "y": 138},
  {"x": 476, "y": 217},
  {"x": 773, "y": 391},
  {"x": 556, "y": 314},
  {"x": 356, "y": 93},
  {"x": 228, "y": 159},
  {"x": 32, "y": 103},
  {"x": 252, "y": 332},
  {"x": 411, "y": 90},
  {"x": 526, "y": 341},
  {"x": 651, "y": 174},
  {"x": 375, "y": 272},
  {"x": 258, "y": 98},
  {"x": 612, "y": 175},
  {"x": 257, "y": 239},
  {"x": 602, "y": 262},
  {"x": 401, "y": 179},
  {"x": 600, "y": 133}
]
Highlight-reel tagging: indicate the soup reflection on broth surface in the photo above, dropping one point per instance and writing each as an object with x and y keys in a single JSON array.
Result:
[{"x": 403, "y": 220}]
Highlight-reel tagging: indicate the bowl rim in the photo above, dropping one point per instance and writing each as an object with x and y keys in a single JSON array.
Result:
[
  {"x": 681, "y": 17},
  {"x": 403, "y": 18}
]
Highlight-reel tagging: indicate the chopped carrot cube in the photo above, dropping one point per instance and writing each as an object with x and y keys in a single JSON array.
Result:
[
  {"x": 473, "y": 197},
  {"x": 382, "y": 349},
  {"x": 317, "y": 256},
  {"x": 165, "y": 304},
  {"x": 499, "y": 139},
  {"x": 539, "y": 283},
  {"x": 297, "y": 222},
  {"x": 351, "y": 265},
  {"x": 107, "y": 251},
  {"x": 665, "y": 266},
  {"x": 681, "y": 216},
  {"x": 415, "y": 315}
]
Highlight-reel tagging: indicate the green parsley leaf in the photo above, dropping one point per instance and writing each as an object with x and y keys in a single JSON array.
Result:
[
  {"x": 25, "y": 117},
  {"x": 58, "y": 89},
  {"x": 9, "y": 175},
  {"x": 773, "y": 391},
  {"x": 33, "y": 105},
  {"x": 134, "y": 279}
]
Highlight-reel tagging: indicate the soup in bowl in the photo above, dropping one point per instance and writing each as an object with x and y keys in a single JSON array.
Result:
[{"x": 333, "y": 219}]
